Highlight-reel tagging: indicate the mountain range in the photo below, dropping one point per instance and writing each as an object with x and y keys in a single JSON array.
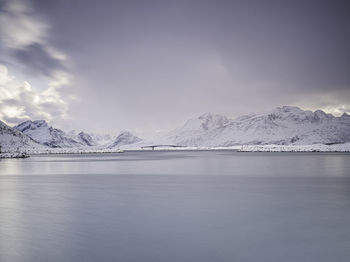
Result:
[
  {"x": 12, "y": 140},
  {"x": 285, "y": 125},
  {"x": 282, "y": 126}
]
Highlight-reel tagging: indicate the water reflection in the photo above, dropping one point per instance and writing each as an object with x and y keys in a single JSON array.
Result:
[
  {"x": 184, "y": 163},
  {"x": 177, "y": 206}
]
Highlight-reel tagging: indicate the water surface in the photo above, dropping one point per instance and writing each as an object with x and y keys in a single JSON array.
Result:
[{"x": 176, "y": 206}]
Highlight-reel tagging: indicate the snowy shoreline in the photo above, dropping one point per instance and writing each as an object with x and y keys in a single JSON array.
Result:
[
  {"x": 336, "y": 148},
  {"x": 283, "y": 129},
  {"x": 13, "y": 155},
  {"x": 321, "y": 148},
  {"x": 258, "y": 148}
]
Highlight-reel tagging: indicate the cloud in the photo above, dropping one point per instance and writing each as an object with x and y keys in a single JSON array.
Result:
[
  {"x": 19, "y": 28},
  {"x": 38, "y": 60},
  {"x": 152, "y": 68},
  {"x": 19, "y": 101},
  {"x": 335, "y": 103},
  {"x": 24, "y": 35}
]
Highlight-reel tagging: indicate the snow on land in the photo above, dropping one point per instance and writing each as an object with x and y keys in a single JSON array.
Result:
[
  {"x": 41, "y": 132},
  {"x": 102, "y": 139},
  {"x": 12, "y": 140},
  {"x": 283, "y": 126},
  {"x": 296, "y": 148},
  {"x": 281, "y": 129},
  {"x": 124, "y": 138},
  {"x": 13, "y": 155},
  {"x": 83, "y": 150},
  {"x": 256, "y": 148}
]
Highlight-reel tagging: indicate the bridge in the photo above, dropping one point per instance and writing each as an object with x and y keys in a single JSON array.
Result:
[{"x": 154, "y": 146}]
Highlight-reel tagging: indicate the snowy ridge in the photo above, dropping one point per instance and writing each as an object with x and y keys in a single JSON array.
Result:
[
  {"x": 86, "y": 139},
  {"x": 12, "y": 140},
  {"x": 46, "y": 135},
  {"x": 203, "y": 123},
  {"x": 125, "y": 138},
  {"x": 102, "y": 139},
  {"x": 282, "y": 126},
  {"x": 281, "y": 129}
]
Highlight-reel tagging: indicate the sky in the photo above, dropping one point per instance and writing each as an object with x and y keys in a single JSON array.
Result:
[{"x": 110, "y": 65}]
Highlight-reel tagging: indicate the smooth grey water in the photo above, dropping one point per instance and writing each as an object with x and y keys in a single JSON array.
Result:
[{"x": 176, "y": 206}]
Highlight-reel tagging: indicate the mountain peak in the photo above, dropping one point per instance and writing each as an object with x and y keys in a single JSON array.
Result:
[
  {"x": 125, "y": 138},
  {"x": 125, "y": 133},
  {"x": 207, "y": 115},
  {"x": 86, "y": 139},
  {"x": 206, "y": 121},
  {"x": 288, "y": 109},
  {"x": 345, "y": 115},
  {"x": 282, "y": 125},
  {"x": 29, "y": 124},
  {"x": 39, "y": 123},
  {"x": 41, "y": 132},
  {"x": 12, "y": 139},
  {"x": 296, "y": 114},
  {"x": 321, "y": 115}
]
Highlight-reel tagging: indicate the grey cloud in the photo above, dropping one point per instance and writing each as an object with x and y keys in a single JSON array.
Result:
[
  {"x": 55, "y": 111},
  {"x": 19, "y": 101},
  {"x": 26, "y": 45},
  {"x": 38, "y": 60},
  {"x": 12, "y": 120},
  {"x": 153, "y": 64},
  {"x": 25, "y": 35}
]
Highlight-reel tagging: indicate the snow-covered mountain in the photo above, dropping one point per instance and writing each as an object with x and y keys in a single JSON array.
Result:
[
  {"x": 125, "y": 138},
  {"x": 194, "y": 128},
  {"x": 102, "y": 139},
  {"x": 44, "y": 134},
  {"x": 12, "y": 140},
  {"x": 82, "y": 137},
  {"x": 92, "y": 139},
  {"x": 283, "y": 125},
  {"x": 203, "y": 123},
  {"x": 85, "y": 139}
]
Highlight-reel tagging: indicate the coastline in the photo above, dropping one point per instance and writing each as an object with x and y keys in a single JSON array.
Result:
[{"x": 316, "y": 148}]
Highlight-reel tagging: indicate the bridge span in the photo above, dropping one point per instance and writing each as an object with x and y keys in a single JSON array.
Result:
[{"x": 154, "y": 146}]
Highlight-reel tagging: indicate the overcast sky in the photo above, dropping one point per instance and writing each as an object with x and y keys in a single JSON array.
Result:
[{"x": 148, "y": 65}]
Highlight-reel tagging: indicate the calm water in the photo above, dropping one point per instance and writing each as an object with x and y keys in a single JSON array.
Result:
[{"x": 176, "y": 206}]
